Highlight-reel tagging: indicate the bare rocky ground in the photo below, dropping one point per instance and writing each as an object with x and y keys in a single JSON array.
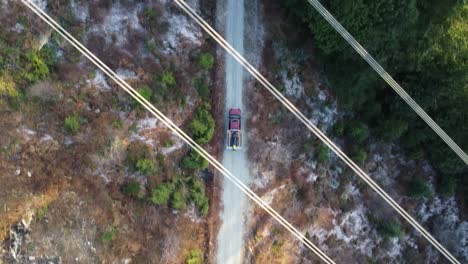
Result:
[
  {"x": 60, "y": 194},
  {"x": 321, "y": 197}
]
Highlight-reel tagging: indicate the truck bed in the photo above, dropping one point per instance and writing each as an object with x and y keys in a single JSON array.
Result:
[{"x": 231, "y": 139}]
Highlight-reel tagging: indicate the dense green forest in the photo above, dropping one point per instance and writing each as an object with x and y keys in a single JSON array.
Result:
[{"x": 423, "y": 44}]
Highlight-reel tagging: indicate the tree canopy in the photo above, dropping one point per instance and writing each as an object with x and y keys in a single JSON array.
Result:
[{"x": 423, "y": 45}]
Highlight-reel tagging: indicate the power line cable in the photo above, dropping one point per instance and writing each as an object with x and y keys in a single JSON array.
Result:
[
  {"x": 390, "y": 81},
  {"x": 176, "y": 130},
  {"x": 219, "y": 39}
]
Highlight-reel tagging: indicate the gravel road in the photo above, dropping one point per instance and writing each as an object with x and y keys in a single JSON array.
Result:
[{"x": 231, "y": 234}]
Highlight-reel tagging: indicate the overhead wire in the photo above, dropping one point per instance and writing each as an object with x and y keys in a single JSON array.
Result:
[
  {"x": 278, "y": 95},
  {"x": 176, "y": 130}
]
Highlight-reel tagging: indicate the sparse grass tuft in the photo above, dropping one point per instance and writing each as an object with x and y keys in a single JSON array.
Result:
[
  {"x": 72, "y": 124},
  {"x": 109, "y": 236},
  {"x": 41, "y": 213}
]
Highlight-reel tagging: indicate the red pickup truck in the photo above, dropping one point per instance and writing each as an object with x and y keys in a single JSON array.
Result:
[{"x": 234, "y": 140}]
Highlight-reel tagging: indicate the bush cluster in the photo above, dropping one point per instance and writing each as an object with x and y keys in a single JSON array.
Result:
[
  {"x": 202, "y": 127},
  {"x": 179, "y": 191},
  {"x": 194, "y": 161},
  {"x": 433, "y": 32}
]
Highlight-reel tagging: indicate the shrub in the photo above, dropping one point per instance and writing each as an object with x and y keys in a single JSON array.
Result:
[
  {"x": 194, "y": 161},
  {"x": 389, "y": 229},
  {"x": 197, "y": 194},
  {"x": 206, "y": 61},
  {"x": 48, "y": 55},
  {"x": 358, "y": 131},
  {"x": 178, "y": 200},
  {"x": 145, "y": 166},
  {"x": 137, "y": 151},
  {"x": 194, "y": 257},
  {"x": 38, "y": 69},
  {"x": 393, "y": 129},
  {"x": 131, "y": 189},
  {"x": 162, "y": 193},
  {"x": 150, "y": 15},
  {"x": 322, "y": 153},
  {"x": 358, "y": 154},
  {"x": 202, "y": 127},
  {"x": 338, "y": 129},
  {"x": 7, "y": 86},
  {"x": 418, "y": 188},
  {"x": 72, "y": 124},
  {"x": 202, "y": 88}
]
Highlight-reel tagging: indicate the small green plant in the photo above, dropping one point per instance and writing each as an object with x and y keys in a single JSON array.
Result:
[
  {"x": 168, "y": 143},
  {"x": 418, "y": 188},
  {"x": 359, "y": 154},
  {"x": 162, "y": 193},
  {"x": 389, "y": 229},
  {"x": 145, "y": 92},
  {"x": 72, "y": 124},
  {"x": 133, "y": 128},
  {"x": 151, "y": 46},
  {"x": 168, "y": 79},
  {"x": 194, "y": 257},
  {"x": 276, "y": 248},
  {"x": 145, "y": 166},
  {"x": 131, "y": 189},
  {"x": 160, "y": 159},
  {"x": 92, "y": 75},
  {"x": 41, "y": 213},
  {"x": 109, "y": 235},
  {"x": 117, "y": 123},
  {"x": 206, "y": 61}
]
